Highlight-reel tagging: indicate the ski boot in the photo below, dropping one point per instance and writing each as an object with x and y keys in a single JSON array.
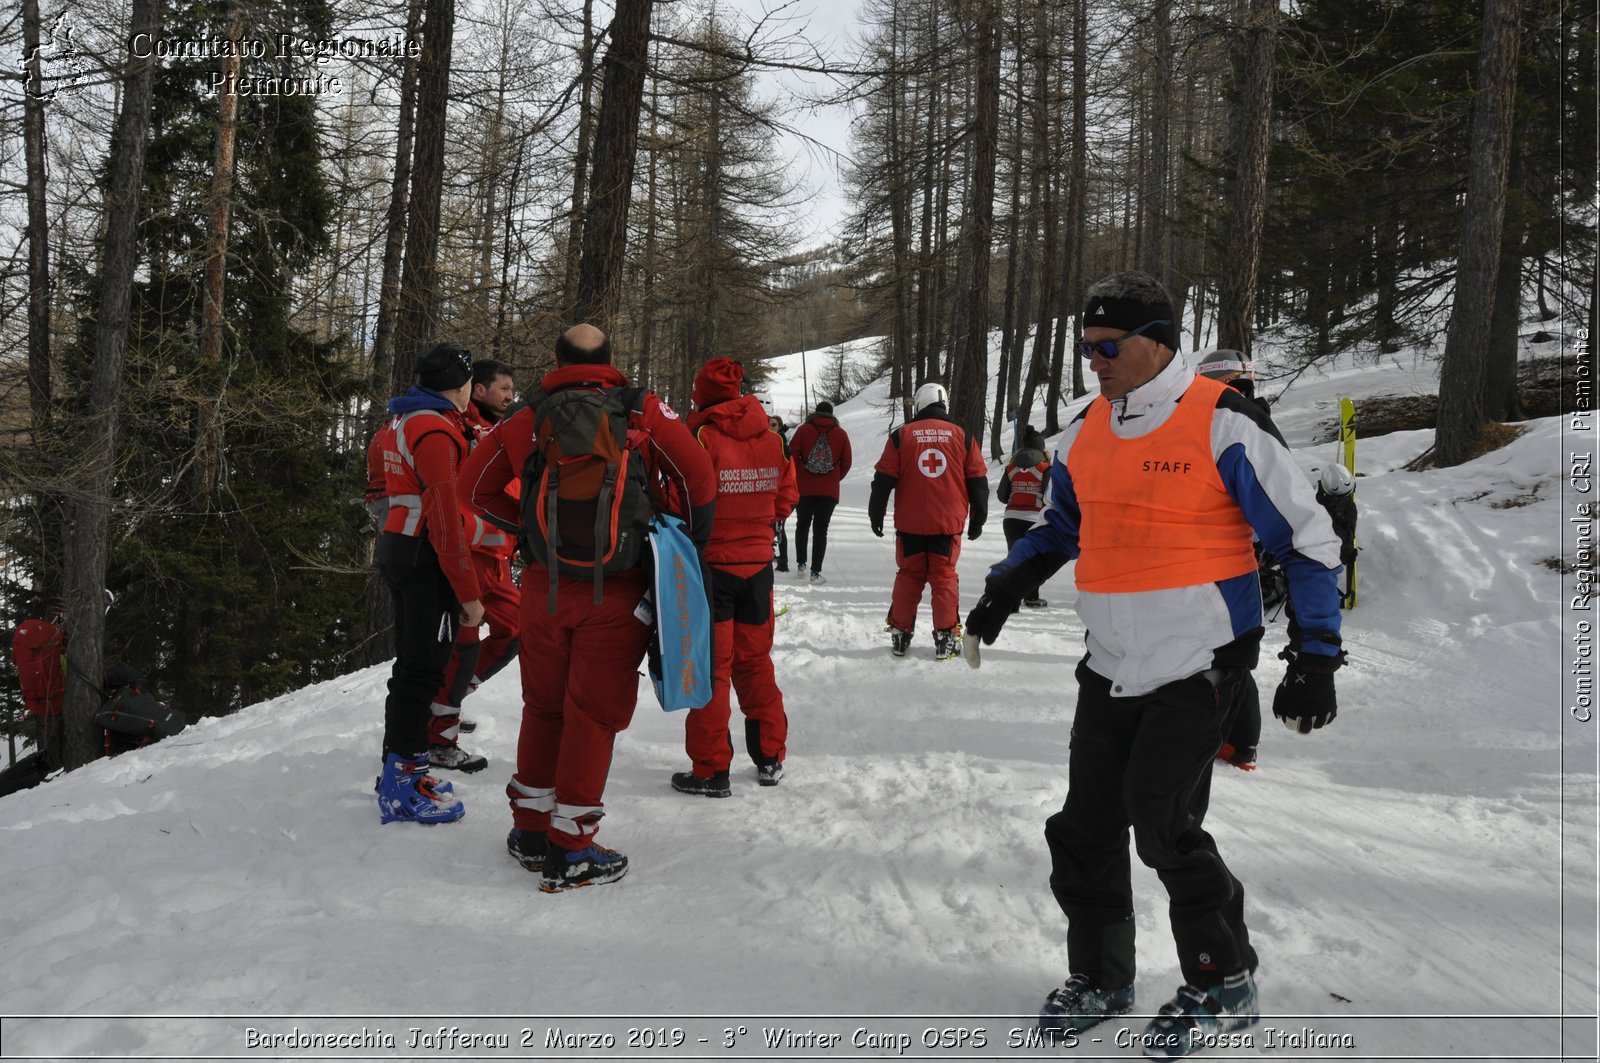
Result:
[
  {"x": 454, "y": 758},
  {"x": 947, "y": 643},
  {"x": 528, "y": 848},
  {"x": 570, "y": 869},
  {"x": 1081, "y": 1004},
  {"x": 1183, "y": 1025},
  {"x": 405, "y": 792},
  {"x": 687, "y": 782}
]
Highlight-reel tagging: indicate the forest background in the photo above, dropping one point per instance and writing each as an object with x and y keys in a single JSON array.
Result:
[{"x": 207, "y": 295}]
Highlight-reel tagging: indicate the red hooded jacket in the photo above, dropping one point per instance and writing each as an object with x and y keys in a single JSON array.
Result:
[
  {"x": 755, "y": 481},
  {"x": 800, "y": 444}
]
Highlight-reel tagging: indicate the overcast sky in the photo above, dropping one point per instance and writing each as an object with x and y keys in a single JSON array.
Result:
[{"x": 831, "y": 26}]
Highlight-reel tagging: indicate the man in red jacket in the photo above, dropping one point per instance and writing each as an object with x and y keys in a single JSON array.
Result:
[
  {"x": 424, "y": 557},
  {"x": 580, "y": 656},
  {"x": 755, "y": 489},
  {"x": 939, "y": 481},
  {"x": 821, "y": 452}
]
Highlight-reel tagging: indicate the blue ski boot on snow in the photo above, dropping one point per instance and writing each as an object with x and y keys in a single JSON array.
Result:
[
  {"x": 1195, "y": 1017},
  {"x": 407, "y": 792},
  {"x": 1081, "y": 1004}
]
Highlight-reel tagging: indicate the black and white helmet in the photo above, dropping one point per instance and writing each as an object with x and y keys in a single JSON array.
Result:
[{"x": 1336, "y": 480}]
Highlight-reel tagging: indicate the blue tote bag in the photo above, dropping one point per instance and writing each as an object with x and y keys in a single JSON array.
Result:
[{"x": 681, "y": 647}]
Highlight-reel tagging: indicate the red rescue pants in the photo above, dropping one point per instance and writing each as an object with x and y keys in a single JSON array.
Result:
[
  {"x": 742, "y": 608},
  {"x": 925, "y": 560},
  {"x": 473, "y": 660},
  {"x": 580, "y": 684}
]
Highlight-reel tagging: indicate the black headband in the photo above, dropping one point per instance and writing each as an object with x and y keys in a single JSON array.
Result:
[{"x": 1127, "y": 314}]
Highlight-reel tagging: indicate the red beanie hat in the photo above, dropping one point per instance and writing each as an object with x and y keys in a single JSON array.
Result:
[{"x": 718, "y": 381}]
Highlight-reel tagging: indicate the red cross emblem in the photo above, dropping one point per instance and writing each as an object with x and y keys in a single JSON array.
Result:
[{"x": 931, "y": 463}]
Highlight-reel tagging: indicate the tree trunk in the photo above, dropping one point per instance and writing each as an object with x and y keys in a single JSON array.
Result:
[
  {"x": 580, "y": 165},
  {"x": 1247, "y": 207},
  {"x": 1072, "y": 241},
  {"x": 33, "y": 101},
  {"x": 970, "y": 374},
  {"x": 87, "y": 535},
  {"x": 1038, "y": 363},
  {"x": 1461, "y": 412},
  {"x": 387, "y": 377},
  {"x": 900, "y": 186},
  {"x": 1158, "y": 197},
  {"x": 208, "y": 456},
  {"x": 1500, "y": 395},
  {"x": 605, "y": 229},
  {"x": 419, "y": 283}
]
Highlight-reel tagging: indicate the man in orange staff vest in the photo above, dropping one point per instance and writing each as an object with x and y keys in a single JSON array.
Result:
[{"x": 1155, "y": 489}]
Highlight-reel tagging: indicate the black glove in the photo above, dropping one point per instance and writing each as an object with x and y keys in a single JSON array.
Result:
[
  {"x": 989, "y": 615},
  {"x": 1305, "y": 700},
  {"x": 877, "y": 528},
  {"x": 974, "y": 530}
]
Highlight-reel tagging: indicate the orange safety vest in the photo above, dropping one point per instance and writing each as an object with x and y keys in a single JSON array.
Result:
[{"x": 1156, "y": 514}]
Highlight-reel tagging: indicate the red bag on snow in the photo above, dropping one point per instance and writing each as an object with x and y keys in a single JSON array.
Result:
[{"x": 39, "y": 647}]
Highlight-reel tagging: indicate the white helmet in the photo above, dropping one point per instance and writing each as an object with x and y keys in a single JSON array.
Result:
[
  {"x": 928, "y": 394},
  {"x": 1336, "y": 480}
]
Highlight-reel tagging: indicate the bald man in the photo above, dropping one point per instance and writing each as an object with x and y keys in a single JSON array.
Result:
[{"x": 580, "y": 656}]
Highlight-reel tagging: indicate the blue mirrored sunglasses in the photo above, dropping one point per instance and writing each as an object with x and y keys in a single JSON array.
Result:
[{"x": 1108, "y": 348}]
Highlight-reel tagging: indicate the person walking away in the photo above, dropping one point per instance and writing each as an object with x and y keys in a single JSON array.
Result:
[
  {"x": 1155, "y": 490},
  {"x": 1022, "y": 490},
  {"x": 821, "y": 451},
  {"x": 423, "y": 556},
  {"x": 756, "y": 489},
  {"x": 781, "y": 551},
  {"x": 936, "y": 474},
  {"x": 583, "y": 637},
  {"x": 475, "y": 661}
]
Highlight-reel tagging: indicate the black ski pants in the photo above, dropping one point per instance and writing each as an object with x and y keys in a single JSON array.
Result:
[
  {"x": 425, "y": 624},
  {"x": 1015, "y": 528},
  {"x": 1244, "y": 730},
  {"x": 812, "y": 510},
  {"x": 1145, "y": 763}
]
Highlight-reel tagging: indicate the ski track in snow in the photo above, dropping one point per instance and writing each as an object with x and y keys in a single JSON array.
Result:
[{"x": 1408, "y": 859}]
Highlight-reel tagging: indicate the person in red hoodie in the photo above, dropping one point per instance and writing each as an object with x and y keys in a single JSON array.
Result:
[
  {"x": 821, "y": 452},
  {"x": 580, "y": 656},
  {"x": 936, "y": 474},
  {"x": 756, "y": 489},
  {"x": 476, "y": 659},
  {"x": 424, "y": 557}
]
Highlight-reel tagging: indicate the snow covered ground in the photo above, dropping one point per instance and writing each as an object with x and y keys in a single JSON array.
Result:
[{"x": 1430, "y": 855}]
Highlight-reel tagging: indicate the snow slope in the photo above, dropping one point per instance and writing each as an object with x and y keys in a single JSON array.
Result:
[{"x": 1431, "y": 853}]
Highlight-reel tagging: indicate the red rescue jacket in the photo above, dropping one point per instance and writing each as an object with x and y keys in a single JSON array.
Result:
[
  {"x": 420, "y": 458},
  {"x": 930, "y": 462},
  {"x": 755, "y": 481}
]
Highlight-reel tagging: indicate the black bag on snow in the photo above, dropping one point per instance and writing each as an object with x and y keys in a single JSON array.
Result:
[{"x": 134, "y": 713}]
